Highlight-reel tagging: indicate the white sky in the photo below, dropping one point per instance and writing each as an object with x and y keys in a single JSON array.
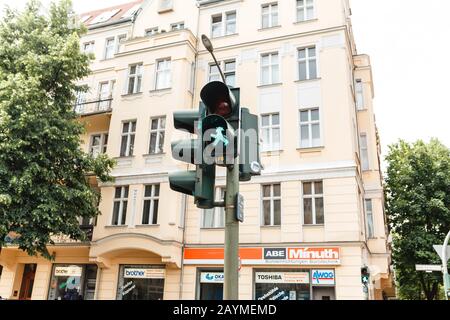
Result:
[{"x": 409, "y": 45}]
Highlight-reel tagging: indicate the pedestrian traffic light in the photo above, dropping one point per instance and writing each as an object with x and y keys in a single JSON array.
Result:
[
  {"x": 199, "y": 182},
  {"x": 220, "y": 126},
  {"x": 365, "y": 275}
]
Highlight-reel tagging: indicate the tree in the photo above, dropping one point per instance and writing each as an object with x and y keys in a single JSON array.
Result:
[
  {"x": 44, "y": 187},
  {"x": 418, "y": 209}
]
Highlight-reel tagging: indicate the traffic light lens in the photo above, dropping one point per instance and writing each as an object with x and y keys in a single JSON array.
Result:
[{"x": 223, "y": 108}]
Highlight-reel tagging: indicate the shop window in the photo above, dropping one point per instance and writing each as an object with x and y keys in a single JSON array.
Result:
[
  {"x": 282, "y": 284},
  {"x": 73, "y": 282},
  {"x": 141, "y": 282},
  {"x": 211, "y": 285}
]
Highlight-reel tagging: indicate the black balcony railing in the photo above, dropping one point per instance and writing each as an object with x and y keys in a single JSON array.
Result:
[
  {"x": 99, "y": 105},
  {"x": 89, "y": 230}
]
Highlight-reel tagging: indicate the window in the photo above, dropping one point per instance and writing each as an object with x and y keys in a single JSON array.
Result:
[
  {"x": 230, "y": 21},
  {"x": 128, "y": 134},
  {"x": 305, "y": 10},
  {"x": 229, "y": 71},
  {"x": 369, "y": 218},
  {"x": 271, "y": 204},
  {"x": 80, "y": 101},
  {"x": 72, "y": 282},
  {"x": 307, "y": 63},
  {"x": 270, "y": 127},
  {"x": 105, "y": 16},
  {"x": 177, "y": 26},
  {"x": 151, "y": 31},
  {"x": 98, "y": 144},
  {"x": 163, "y": 74},
  {"x": 113, "y": 45},
  {"x": 218, "y": 28},
  {"x": 310, "y": 128},
  {"x": 215, "y": 217},
  {"x": 105, "y": 92},
  {"x": 120, "y": 206},
  {"x": 151, "y": 201},
  {"x": 134, "y": 78},
  {"x": 109, "y": 48},
  {"x": 269, "y": 15},
  {"x": 270, "y": 69},
  {"x": 141, "y": 282},
  {"x": 313, "y": 203},
  {"x": 165, "y": 5},
  {"x": 157, "y": 130},
  {"x": 364, "y": 151},
  {"x": 120, "y": 40},
  {"x": 88, "y": 47},
  {"x": 359, "y": 94}
]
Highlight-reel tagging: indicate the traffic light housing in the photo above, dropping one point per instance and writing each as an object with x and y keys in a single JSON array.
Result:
[
  {"x": 220, "y": 127},
  {"x": 365, "y": 275},
  {"x": 223, "y": 130},
  {"x": 199, "y": 182},
  {"x": 249, "y": 160}
]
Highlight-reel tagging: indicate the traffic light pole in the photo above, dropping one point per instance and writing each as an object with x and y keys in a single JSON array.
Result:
[{"x": 231, "y": 258}]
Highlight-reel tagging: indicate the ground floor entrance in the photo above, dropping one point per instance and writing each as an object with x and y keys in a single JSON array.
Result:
[{"x": 26, "y": 288}]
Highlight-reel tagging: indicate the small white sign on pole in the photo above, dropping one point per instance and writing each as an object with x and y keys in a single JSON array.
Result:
[{"x": 428, "y": 267}]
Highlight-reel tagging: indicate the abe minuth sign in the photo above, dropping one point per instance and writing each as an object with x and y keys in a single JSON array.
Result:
[{"x": 267, "y": 256}]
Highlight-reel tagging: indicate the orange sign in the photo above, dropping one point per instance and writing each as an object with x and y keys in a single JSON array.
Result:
[{"x": 266, "y": 256}]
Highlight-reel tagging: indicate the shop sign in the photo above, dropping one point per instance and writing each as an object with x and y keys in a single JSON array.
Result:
[
  {"x": 70, "y": 271},
  {"x": 138, "y": 273},
  {"x": 211, "y": 277},
  {"x": 267, "y": 256},
  {"x": 282, "y": 277},
  {"x": 274, "y": 253},
  {"x": 323, "y": 277}
]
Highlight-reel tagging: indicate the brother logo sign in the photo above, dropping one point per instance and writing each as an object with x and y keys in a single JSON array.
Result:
[
  {"x": 134, "y": 273},
  {"x": 274, "y": 253}
]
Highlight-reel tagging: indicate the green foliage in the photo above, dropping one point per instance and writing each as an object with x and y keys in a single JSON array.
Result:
[
  {"x": 43, "y": 171},
  {"x": 418, "y": 208}
]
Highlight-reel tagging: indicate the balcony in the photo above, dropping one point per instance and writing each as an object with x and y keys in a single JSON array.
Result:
[
  {"x": 88, "y": 229},
  {"x": 92, "y": 107}
]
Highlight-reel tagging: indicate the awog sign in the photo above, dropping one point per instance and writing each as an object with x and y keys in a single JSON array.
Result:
[{"x": 323, "y": 277}]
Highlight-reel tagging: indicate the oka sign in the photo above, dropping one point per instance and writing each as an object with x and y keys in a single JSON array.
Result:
[{"x": 323, "y": 277}]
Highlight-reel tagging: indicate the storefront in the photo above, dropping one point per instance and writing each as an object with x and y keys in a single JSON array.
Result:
[
  {"x": 210, "y": 285},
  {"x": 273, "y": 273},
  {"x": 141, "y": 282},
  {"x": 73, "y": 282},
  {"x": 282, "y": 284}
]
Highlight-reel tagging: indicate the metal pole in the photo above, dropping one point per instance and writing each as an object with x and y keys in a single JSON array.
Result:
[
  {"x": 231, "y": 258},
  {"x": 444, "y": 265}
]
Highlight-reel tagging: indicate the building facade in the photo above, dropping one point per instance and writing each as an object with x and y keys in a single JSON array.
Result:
[{"x": 314, "y": 219}]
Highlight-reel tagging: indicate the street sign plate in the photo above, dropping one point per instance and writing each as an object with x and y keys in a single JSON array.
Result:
[
  {"x": 240, "y": 207},
  {"x": 428, "y": 267},
  {"x": 438, "y": 249}
]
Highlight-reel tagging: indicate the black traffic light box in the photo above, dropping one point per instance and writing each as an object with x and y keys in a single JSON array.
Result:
[{"x": 199, "y": 182}]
